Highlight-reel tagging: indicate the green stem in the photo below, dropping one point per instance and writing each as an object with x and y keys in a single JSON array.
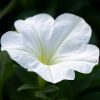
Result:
[{"x": 41, "y": 82}]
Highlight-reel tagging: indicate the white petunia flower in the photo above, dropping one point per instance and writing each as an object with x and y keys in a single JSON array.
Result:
[{"x": 54, "y": 49}]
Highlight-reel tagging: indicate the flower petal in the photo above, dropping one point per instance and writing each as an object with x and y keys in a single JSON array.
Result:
[
  {"x": 11, "y": 40},
  {"x": 70, "y": 31},
  {"x": 42, "y": 23},
  {"x": 81, "y": 66},
  {"x": 83, "y": 59},
  {"x": 54, "y": 73},
  {"x": 29, "y": 35},
  {"x": 61, "y": 72},
  {"x": 22, "y": 57}
]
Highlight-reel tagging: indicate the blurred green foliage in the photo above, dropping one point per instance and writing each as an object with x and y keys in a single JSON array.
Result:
[{"x": 18, "y": 84}]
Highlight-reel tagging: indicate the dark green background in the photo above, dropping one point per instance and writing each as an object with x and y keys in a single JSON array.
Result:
[{"x": 18, "y": 84}]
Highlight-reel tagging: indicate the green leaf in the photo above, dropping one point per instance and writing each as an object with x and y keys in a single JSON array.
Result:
[
  {"x": 50, "y": 88},
  {"x": 26, "y": 86},
  {"x": 41, "y": 94},
  {"x": 6, "y": 68},
  {"x": 47, "y": 93}
]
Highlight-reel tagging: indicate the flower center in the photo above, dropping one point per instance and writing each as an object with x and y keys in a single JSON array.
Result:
[
  {"x": 42, "y": 59},
  {"x": 47, "y": 61}
]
